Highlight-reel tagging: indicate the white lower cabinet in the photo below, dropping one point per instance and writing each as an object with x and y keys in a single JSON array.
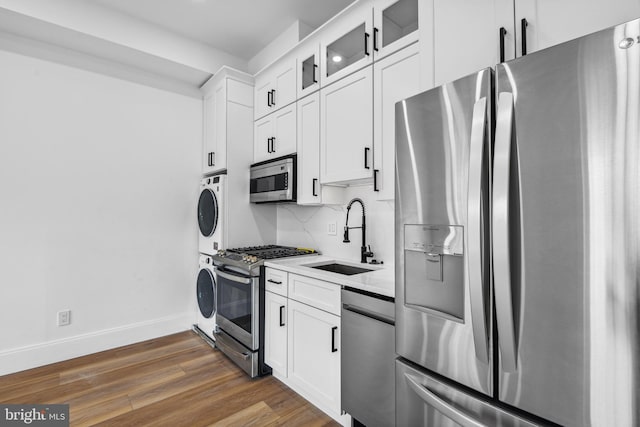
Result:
[
  {"x": 302, "y": 341},
  {"x": 275, "y": 332},
  {"x": 314, "y": 354}
]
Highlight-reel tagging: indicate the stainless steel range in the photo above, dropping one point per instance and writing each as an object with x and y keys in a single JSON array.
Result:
[{"x": 240, "y": 303}]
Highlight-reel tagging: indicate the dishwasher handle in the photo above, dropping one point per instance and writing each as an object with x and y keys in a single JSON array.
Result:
[{"x": 364, "y": 312}]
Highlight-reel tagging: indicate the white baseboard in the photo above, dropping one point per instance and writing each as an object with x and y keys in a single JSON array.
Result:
[{"x": 32, "y": 356}]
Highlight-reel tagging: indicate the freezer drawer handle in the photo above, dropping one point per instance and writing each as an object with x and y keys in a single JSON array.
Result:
[
  {"x": 503, "y": 251},
  {"x": 476, "y": 226},
  {"x": 440, "y": 405}
]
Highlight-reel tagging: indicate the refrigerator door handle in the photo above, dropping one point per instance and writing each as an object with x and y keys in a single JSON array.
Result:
[
  {"x": 475, "y": 228},
  {"x": 500, "y": 232},
  {"x": 440, "y": 405}
]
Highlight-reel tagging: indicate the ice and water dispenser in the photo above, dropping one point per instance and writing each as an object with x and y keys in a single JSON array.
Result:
[{"x": 434, "y": 269}]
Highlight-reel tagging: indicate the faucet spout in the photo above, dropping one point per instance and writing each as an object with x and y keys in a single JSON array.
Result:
[{"x": 364, "y": 253}]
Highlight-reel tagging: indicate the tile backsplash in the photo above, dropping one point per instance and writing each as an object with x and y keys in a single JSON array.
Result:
[{"x": 308, "y": 226}]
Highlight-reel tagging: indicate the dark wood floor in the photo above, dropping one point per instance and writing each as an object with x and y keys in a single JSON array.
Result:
[{"x": 176, "y": 380}]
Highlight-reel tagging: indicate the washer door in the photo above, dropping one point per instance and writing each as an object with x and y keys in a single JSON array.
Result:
[
  {"x": 206, "y": 292},
  {"x": 207, "y": 212}
]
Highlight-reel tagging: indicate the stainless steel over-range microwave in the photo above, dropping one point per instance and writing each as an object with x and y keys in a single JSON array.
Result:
[{"x": 273, "y": 180}]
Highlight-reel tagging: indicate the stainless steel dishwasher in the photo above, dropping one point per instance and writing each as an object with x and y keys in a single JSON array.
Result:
[{"x": 368, "y": 358}]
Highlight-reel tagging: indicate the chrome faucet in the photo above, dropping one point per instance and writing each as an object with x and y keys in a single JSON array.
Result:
[{"x": 364, "y": 253}]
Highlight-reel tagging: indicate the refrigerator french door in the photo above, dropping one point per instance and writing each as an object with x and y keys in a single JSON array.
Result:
[{"x": 556, "y": 226}]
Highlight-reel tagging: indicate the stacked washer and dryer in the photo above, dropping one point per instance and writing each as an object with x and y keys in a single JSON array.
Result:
[
  {"x": 226, "y": 218},
  {"x": 211, "y": 223}
]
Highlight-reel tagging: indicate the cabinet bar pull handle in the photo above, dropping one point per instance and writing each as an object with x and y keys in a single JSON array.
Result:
[
  {"x": 208, "y": 159},
  {"x": 375, "y": 180},
  {"x": 375, "y": 39},
  {"x": 282, "y": 315},
  {"x": 273, "y": 97},
  {"x": 313, "y": 187},
  {"x": 213, "y": 158},
  {"x": 268, "y": 145},
  {"x": 273, "y": 144},
  {"x": 315, "y": 67},
  {"x": 366, "y": 157},
  {"x": 523, "y": 25},
  {"x": 274, "y": 281},
  {"x": 333, "y": 339},
  {"x": 269, "y": 99},
  {"x": 366, "y": 44},
  {"x": 503, "y": 32}
]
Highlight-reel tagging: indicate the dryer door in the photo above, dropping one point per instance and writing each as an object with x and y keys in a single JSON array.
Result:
[
  {"x": 207, "y": 212},
  {"x": 206, "y": 292}
]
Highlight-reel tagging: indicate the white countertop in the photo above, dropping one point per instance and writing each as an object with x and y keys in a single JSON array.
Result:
[{"x": 380, "y": 280}]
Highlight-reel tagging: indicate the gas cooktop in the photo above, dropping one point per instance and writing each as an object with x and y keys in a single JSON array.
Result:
[
  {"x": 272, "y": 251},
  {"x": 252, "y": 257}
]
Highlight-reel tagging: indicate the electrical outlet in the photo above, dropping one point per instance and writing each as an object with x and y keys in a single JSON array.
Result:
[
  {"x": 64, "y": 317},
  {"x": 331, "y": 228}
]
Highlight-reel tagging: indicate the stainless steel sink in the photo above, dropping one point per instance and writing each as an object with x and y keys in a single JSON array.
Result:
[{"x": 347, "y": 270}]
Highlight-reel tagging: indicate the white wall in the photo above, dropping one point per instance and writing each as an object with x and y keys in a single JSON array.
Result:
[
  {"x": 98, "y": 187},
  {"x": 307, "y": 226}
]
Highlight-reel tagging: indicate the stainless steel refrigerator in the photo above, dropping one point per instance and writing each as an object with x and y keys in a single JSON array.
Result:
[{"x": 518, "y": 241}]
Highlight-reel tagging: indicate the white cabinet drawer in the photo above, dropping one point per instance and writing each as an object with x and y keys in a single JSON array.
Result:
[
  {"x": 276, "y": 281},
  {"x": 316, "y": 293}
]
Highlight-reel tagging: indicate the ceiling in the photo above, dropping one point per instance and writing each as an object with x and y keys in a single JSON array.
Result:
[{"x": 239, "y": 27}]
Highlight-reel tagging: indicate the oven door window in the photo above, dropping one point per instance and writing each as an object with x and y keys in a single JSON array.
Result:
[{"x": 234, "y": 302}]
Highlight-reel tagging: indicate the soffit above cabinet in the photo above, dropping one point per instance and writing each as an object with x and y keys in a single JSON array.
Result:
[{"x": 30, "y": 36}]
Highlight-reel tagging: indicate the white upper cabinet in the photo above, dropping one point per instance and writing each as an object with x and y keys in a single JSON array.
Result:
[
  {"x": 549, "y": 22},
  {"x": 309, "y": 150},
  {"x": 395, "y": 78},
  {"x": 209, "y": 143},
  {"x": 275, "y": 87},
  {"x": 347, "y": 45},
  {"x": 396, "y": 24},
  {"x": 229, "y": 86},
  {"x": 275, "y": 134},
  {"x": 346, "y": 129},
  {"x": 308, "y": 63},
  {"x": 468, "y": 36}
]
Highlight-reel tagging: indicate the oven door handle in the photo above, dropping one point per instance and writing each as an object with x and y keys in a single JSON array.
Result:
[{"x": 234, "y": 277}]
